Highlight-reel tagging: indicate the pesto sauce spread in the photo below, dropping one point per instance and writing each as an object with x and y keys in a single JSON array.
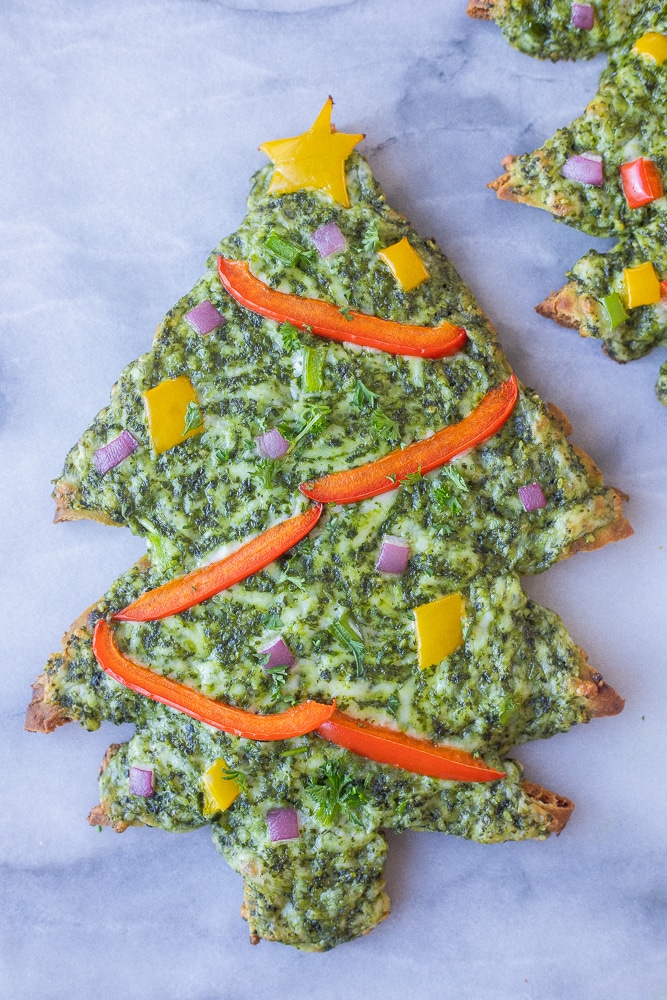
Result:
[
  {"x": 624, "y": 121},
  {"x": 513, "y": 678}
]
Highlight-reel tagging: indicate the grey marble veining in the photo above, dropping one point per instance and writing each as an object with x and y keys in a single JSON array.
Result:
[{"x": 129, "y": 132}]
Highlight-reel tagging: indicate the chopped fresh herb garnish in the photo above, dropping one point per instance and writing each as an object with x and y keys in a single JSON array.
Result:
[
  {"x": 413, "y": 478},
  {"x": 263, "y": 659},
  {"x": 313, "y": 367},
  {"x": 455, "y": 478},
  {"x": 393, "y": 704},
  {"x": 293, "y": 752},
  {"x": 348, "y": 634},
  {"x": 271, "y": 620},
  {"x": 392, "y": 477},
  {"x": 281, "y": 248},
  {"x": 290, "y": 336},
  {"x": 265, "y": 471},
  {"x": 240, "y": 777},
  {"x": 364, "y": 398},
  {"x": 193, "y": 417},
  {"x": 445, "y": 494},
  {"x": 313, "y": 419},
  {"x": 337, "y": 795},
  {"x": 222, "y": 455},
  {"x": 279, "y": 677},
  {"x": 345, "y": 311},
  {"x": 370, "y": 241},
  {"x": 297, "y": 581},
  {"x": 384, "y": 427}
]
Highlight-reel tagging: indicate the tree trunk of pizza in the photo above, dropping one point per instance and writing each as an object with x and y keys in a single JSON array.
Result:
[{"x": 339, "y": 481}]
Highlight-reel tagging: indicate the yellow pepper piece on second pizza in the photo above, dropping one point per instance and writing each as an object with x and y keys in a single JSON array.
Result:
[
  {"x": 219, "y": 791},
  {"x": 439, "y": 629},
  {"x": 167, "y": 412},
  {"x": 405, "y": 264},
  {"x": 654, "y": 45},
  {"x": 642, "y": 287}
]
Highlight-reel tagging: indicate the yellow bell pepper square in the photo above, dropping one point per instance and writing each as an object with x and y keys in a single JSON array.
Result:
[
  {"x": 439, "y": 629},
  {"x": 219, "y": 791},
  {"x": 642, "y": 287},
  {"x": 405, "y": 264},
  {"x": 654, "y": 45},
  {"x": 166, "y": 411}
]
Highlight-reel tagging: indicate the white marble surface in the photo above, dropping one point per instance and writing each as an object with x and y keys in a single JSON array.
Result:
[{"x": 129, "y": 132}]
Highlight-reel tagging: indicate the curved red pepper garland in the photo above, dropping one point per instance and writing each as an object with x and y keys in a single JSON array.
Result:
[
  {"x": 326, "y": 320},
  {"x": 374, "y": 742}
]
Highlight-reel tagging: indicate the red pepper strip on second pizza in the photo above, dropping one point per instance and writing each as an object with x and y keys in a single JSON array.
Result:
[
  {"x": 193, "y": 588},
  {"x": 387, "y": 473},
  {"x": 295, "y": 721},
  {"x": 327, "y": 320},
  {"x": 386, "y": 746}
]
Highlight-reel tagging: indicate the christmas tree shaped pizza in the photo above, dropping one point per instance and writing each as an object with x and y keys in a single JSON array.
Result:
[
  {"x": 339, "y": 481},
  {"x": 605, "y": 172}
]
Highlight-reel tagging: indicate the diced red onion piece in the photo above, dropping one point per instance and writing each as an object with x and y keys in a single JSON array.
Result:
[
  {"x": 141, "y": 782},
  {"x": 113, "y": 453},
  {"x": 583, "y": 16},
  {"x": 272, "y": 444},
  {"x": 283, "y": 824},
  {"x": 394, "y": 555},
  {"x": 205, "y": 318},
  {"x": 587, "y": 169},
  {"x": 280, "y": 654},
  {"x": 328, "y": 239},
  {"x": 532, "y": 496}
]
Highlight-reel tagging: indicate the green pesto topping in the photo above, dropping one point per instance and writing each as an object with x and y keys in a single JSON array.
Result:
[
  {"x": 623, "y": 122},
  {"x": 349, "y": 627}
]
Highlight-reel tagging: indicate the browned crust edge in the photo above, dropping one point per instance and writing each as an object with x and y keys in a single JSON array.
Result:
[
  {"x": 98, "y": 815},
  {"x": 554, "y": 809},
  {"x": 42, "y": 716},
  {"x": 481, "y": 10},
  {"x": 65, "y": 496},
  {"x": 567, "y": 308},
  {"x": 601, "y": 698}
]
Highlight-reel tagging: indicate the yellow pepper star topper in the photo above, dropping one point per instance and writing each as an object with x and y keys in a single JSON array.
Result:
[{"x": 314, "y": 159}]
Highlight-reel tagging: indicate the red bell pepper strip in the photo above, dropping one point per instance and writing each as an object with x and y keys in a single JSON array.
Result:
[
  {"x": 642, "y": 182},
  {"x": 387, "y": 473},
  {"x": 185, "y": 591},
  {"x": 386, "y": 746},
  {"x": 327, "y": 320},
  {"x": 296, "y": 721}
]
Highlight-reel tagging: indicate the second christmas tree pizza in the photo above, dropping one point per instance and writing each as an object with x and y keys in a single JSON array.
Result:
[
  {"x": 340, "y": 481},
  {"x": 605, "y": 172}
]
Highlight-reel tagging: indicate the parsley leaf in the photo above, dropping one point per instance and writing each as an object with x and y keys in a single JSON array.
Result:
[
  {"x": 313, "y": 420},
  {"x": 265, "y": 471},
  {"x": 363, "y": 396},
  {"x": 393, "y": 704},
  {"x": 193, "y": 417},
  {"x": 348, "y": 634},
  {"x": 370, "y": 241},
  {"x": 279, "y": 677},
  {"x": 345, "y": 311},
  {"x": 240, "y": 777},
  {"x": 290, "y": 337},
  {"x": 337, "y": 795},
  {"x": 272, "y": 621},
  {"x": 384, "y": 428},
  {"x": 445, "y": 494},
  {"x": 412, "y": 478}
]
